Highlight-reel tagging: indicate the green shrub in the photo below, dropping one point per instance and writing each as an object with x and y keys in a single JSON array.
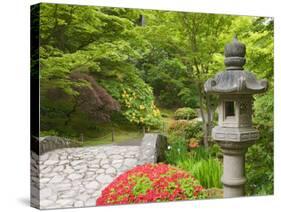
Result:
[
  {"x": 185, "y": 113},
  {"x": 178, "y": 127},
  {"x": 186, "y": 129},
  {"x": 136, "y": 100},
  {"x": 194, "y": 130}
]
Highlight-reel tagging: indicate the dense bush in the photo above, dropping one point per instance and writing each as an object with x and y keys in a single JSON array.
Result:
[
  {"x": 178, "y": 127},
  {"x": 151, "y": 183},
  {"x": 183, "y": 136},
  {"x": 136, "y": 99},
  {"x": 259, "y": 158},
  {"x": 186, "y": 129},
  {"x": 194, "y": 130},
  {"x": 185, "y": 113}
]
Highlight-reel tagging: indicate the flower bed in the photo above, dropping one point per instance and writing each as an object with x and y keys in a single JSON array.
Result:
[{"x": 151, "y": 183}]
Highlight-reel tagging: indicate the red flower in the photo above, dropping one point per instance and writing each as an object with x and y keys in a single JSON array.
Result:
[{"x": 151, "y": 183}]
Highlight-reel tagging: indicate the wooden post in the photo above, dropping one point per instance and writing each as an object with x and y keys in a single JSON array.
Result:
[
  {"x": 143, "y": 129},
  {"x": 112, "y": 134}
]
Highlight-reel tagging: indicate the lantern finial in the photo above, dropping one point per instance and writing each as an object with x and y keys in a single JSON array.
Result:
[{"x": 234, "y": 53}]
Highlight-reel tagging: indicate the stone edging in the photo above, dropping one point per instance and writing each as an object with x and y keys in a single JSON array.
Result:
[
  {"x": 152, "y": 149},
  {"x": 50, "y": 143}
]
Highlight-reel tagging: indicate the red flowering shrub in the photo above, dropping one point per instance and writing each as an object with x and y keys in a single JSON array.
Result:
[{"x": 151, "y": 183}]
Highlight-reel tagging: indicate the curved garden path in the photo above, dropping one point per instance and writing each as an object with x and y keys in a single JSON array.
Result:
[{"x": 75, "y": 177}]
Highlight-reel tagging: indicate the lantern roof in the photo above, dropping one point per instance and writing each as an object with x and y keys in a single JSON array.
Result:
[{"x": 234, "y": 80}]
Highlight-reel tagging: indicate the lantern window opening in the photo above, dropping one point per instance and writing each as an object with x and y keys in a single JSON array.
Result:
[{"x": 229, "y": 109}]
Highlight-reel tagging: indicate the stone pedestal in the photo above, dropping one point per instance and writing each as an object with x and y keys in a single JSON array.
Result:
[{"x": 233, "y": 178}]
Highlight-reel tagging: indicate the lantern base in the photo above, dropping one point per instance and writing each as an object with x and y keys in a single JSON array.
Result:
[{"x": 234, "y": 134}]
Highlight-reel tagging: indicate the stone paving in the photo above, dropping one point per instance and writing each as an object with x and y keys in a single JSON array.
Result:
[{"x": 75, "y": 177}]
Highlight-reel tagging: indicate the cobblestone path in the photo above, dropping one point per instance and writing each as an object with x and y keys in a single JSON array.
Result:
[{"x": 75, "y": 177}]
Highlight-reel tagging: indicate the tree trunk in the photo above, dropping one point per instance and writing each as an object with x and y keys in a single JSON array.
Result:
[
  {"x": 209, "y": 118},
  {"x": 205, "y": 128}
]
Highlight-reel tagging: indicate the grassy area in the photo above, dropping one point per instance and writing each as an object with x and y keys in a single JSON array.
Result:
[
  {"x": 167, "y": 112},
  {"x": 119, "y": 136},
  {"x": 125, "y": 133}
]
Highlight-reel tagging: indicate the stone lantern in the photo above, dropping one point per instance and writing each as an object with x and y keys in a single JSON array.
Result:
[{"x": 235, "y": 132}]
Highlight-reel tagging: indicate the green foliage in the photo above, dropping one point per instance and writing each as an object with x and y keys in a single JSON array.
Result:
[
  {"x": 208, "y": 171},
  {"x": 263, "y": 108},
  {"x": 205, "y": 39},
  {"x": 76, "y": 38},
  {"x": 185, "y": 113},
  {"x": 163, "y": 65},
  {"x": 259, "y": 158},
  {"x": 260, "y": 45}
]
